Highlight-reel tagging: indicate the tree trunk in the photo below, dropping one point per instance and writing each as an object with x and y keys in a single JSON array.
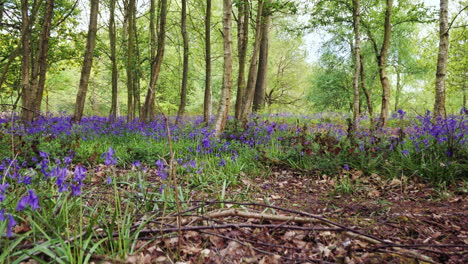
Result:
[
  {"x": 223, "y": 108},
  {"x": 183, "y": 89},
  {"x": 260, "y": 85},
  {"x": 364, "y": 89},
  {"x": 207, "y": 105},
  {"x": 442, "y": 58},
  {"x": 137, "y": 69},
  {"x": 87, "y": 63},
  {"x": 242, "y": 41},
  {"x": 147, "y": 112},
  {"x": 382, "y": 63},
  {"x": 398, "y": 90},
  {"x": 42, "y": 54},
  {"x": 130, "y": 63},
  {"x": 357, "y": 57},
  {"x": 115, "y": 72},
  {"x": 27, "y": 113},
  {"x": 252, "y": 78}
]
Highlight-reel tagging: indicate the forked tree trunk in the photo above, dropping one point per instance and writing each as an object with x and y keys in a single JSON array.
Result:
[
  {"x": 260, "y": 84},
  {"x": 242, "y": 42},
  {"x": 224, "y": 102},
  {"x": 207, "y": 105},
  {"x": 367, "y": 93},
  {"x": 183, "y": 88},
  {"x": 112, "y": 39},
  {"x": 252, "y": 77},
  {"x": 357, "y": 59},
  {"x": 87, "y": 63},
  {"x": 148, "y": 113},
  {"x": 382, "y": 63},
  {"x": 442, "y": 58}
]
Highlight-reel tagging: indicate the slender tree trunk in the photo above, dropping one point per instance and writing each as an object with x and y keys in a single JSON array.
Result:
[
  {"x": 207, "y": 104},
  {"x": 242, "y": 42},
  {"x": 130, "y": 63},
  {"x": 442, "y": 58},
  {"x": 148, "y": 113},
  {"x": 183, "y": 89},
  {"x": 115, "y": 72},
  {"x": 137, "y": 73},
  {"x": 367, "y": 93},
  {"x": 357, "y": 57},
  {"x": 87, "y": 63},
  {"x": 382, "y": 62},
  {"x": 252, "y": 78},
  {"x": 260, "y": 84},
  {"x": 398, "y": 90},
  {"x": 43, "y": 50},
  {"x": 224, "y": 102},
  {"x": 27, "y": 114}
]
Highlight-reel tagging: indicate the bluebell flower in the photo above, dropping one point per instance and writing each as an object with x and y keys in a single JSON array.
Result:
[
  {"x": 405, "y": 152},
  {"x": 76, "y": 189},
  {"x": 109, "y": 158},
  {"x": 3, "y": 188},
  {"x": 2, "y": 214},
  {"x": 222, "y": 163},
  {"x": 80, "y": 173},
  {"x": 31, "y": 199},
  {"x": 346, "y": 167},
  {"x": 10, "y": 225},
  {"x": 108, "y": 180}
]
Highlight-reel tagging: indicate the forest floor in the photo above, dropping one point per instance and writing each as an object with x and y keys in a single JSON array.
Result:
[{"x": 302, "y": 218}]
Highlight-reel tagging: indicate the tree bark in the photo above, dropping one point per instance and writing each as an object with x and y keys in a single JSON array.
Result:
[
  {"x": 357, "y": 58},
  {"x": 242, "y": 42},
  {"x": 442, "y": 58},
  {"x": 137, "y": 69},
  {"x": 183, "y": 88},
  {"x": 42, "y": 54},
  {"x": 224, "y": 102},
  {"x": 207, "y": 104},
  {"x": 87, "y": 63},
  {"x": 260, "y": 84},
  {"x": 398, "y": 90},
  {"x": 115, "y": 72},
  {"x": 27, "y": 114},
  {"x": 252, "y": 77},
  {"x": 130, "y": 60},
  {"x": 148, "y": 113},
  {"x": 382, "y": 63},
  {"x": 367, "y": 93}
]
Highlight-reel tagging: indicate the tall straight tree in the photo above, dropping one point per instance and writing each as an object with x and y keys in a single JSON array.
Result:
[
  {"x": 242, "y": 42},
  {"x": 366, "y": 91},
  {"x": 357, "y": 61},
  {"x": 442, "y": 58},
  {"x": 207, "y": 105},
  {"x": 87, "y": 63},
  {"x": 224, "y": 101},
  {"x": 130, "y": 10},
  {"x": 148, "y": 112},
  {"x": 252, "y": 77},
  {"x": 26, "y": 113},
  {"x": 183, "y": 88},
  {"x": 112, "y": 38},
  {"x": 260, "y": 84}
]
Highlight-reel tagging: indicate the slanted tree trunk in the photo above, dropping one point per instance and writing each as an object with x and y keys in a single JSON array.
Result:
[
  {"x": 252, "y": 77},
  {"x": 382, "y": 63},
  {"x": 27, "y": 114},
  {"x": 148, "y": 112},
  {"x": 442, "y": 58},
  {"x": 183, "y": 88},
  {"x": 115, "y": 72},
  {"x": 224, "y": 102},
  {"x": 260, "y": 84},
  {"x": 357, "y": 58},
  {"x": 207, "y": 105},
  {"x": 242, "y": 42},
  {"x": 42, "y": 54},
  {"x": 367, "y": 93},
  {"x": 87, "y": 63}
]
